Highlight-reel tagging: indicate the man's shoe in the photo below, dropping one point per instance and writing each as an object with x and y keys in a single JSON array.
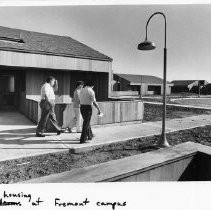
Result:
[
  {"x": 84, "y": 142},
  {"x": 60, "y": 131},
  {"x": 89, "y": 140},
  {"x": 40, "y": 135},
  {"x": 70, "y": 130},
  {"x": 91, "y": 137}
]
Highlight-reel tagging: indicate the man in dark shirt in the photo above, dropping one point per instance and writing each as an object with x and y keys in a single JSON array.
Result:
[{"x": 87, "y": 100}]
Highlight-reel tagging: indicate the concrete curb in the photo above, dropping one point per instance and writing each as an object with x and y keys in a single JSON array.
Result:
[{"x": 88, "y": 148}]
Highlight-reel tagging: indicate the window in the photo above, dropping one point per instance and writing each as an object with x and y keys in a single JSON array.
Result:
[{"x": 151, "y": 88}]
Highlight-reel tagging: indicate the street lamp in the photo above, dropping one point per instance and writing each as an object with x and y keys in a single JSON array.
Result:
[{"x": 147, "y": 45}]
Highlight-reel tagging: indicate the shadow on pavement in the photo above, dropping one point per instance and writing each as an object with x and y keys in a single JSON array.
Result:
[{"x": 27, "y": 136}]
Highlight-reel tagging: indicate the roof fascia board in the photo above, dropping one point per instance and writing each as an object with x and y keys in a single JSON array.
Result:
[{"x": 54, "y": 54}]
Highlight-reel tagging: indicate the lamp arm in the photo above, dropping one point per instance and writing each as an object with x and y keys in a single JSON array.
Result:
[{"x": 157, "y": 13}]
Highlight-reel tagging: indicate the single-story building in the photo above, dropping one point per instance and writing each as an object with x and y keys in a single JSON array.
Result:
[
  {"x": 206, "y": 90},
  {"x": 187, "y": 85},
  {"x": 143, "y": 84},
  {"x": 27, "y": 58}
]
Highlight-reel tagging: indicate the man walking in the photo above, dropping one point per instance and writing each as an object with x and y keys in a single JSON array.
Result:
[
  {"x": 47, "y": 107},
  {"x": 87, "y": 99},
  {"x": 77, "y": 121}
]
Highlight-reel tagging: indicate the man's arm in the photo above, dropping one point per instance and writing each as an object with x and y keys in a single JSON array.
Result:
[
  {"x": 93, "y": 99},
  {"x": 97, "y": 107},
  {"x": 77, "y": 96},
  {"x": 56, "y": 86}
]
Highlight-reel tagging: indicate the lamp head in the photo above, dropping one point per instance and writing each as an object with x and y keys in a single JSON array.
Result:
[{"x": 146, "y": 45}]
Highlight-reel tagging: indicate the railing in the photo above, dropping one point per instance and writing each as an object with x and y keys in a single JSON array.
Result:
[{"x": 114, "y": 112}]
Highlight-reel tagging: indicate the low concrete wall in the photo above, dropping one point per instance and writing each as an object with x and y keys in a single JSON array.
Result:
[
  {"x": 114, "y": 111},
  {"x": 168, "y": 171},
  {"x": 123, "y": 93},
  {"x": 184, "y": 162},
  {"x": 29, "y": 108}
]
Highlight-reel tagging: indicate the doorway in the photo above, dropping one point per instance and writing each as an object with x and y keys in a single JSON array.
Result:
[
  {"x": 7, "y": 91},
  {"x": 11, "y": 85}
]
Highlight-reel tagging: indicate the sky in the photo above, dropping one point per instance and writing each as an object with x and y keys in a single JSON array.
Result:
[{"x": 116, "y": 31}]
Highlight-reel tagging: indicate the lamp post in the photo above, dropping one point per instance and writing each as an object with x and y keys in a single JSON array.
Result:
[
  {"x": 141, "y": 88},
  {"x": 147, "y": 45},
  {"x": 199, "y": 86}
]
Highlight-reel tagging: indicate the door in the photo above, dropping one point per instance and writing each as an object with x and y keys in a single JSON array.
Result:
[
  {"x": 12, "y": 84},
  {"x": 7, "y": 91}
]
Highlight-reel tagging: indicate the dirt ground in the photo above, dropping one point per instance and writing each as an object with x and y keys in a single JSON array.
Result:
[{"x": 153, "y": 112}]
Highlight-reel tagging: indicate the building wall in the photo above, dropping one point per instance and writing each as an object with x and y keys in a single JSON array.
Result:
[
  {"x": 159, "y": 89},
  {"x": 65, "y": 69},
  {"x": 178, "y": 89},
  {"x": 124, "y": 85},
  {"x": 36, "y": 78},
  {"x": 100, "y": 79},
  {"x": 143, "y": 90},
  {"x": 121, "y": 85},
  {"x": 168, "y": 89},
  {"x": 20, "y": 59},
  {"x": 66, "y": 82}
]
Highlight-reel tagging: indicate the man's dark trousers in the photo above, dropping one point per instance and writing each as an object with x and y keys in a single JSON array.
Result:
[
  {"x": 86, "y": 112},
  {"x": 47, "y": 112}
]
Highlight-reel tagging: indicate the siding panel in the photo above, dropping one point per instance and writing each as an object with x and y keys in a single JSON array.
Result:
[{"x": 54, "y": 62}]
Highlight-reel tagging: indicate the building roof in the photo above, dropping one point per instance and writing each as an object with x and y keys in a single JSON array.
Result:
[
  {"x": 186, "y": 82},
  {"x": 182, "y": 82},
  {"x": 47, "y": 44},
  {"x": 144, "y": 79}
]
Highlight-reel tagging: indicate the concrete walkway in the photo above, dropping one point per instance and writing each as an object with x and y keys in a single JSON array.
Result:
[{"x": 17, "y": 135}]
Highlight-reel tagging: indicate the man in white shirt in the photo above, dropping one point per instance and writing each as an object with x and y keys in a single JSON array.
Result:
[
  {"x": 77, "y": 121},
  {"x": 87, "y": 100},
  {"x": 47, "y": 107}
]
